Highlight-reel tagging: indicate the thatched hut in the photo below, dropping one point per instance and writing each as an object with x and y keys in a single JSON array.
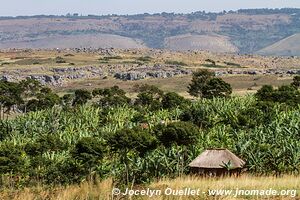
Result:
[{"x": 217, "y": 162}]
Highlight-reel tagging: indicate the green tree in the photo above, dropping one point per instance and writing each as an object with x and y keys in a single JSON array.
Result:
[
  {"x": 44, "y": 143},
  {"x": 109, "y": 97},
  {"x": 179, "y": 133},
  {"x": 45, "y": 99},
  {"x": 265, "y": 93},
  {"x": 150, "y": 96},
  {"x": 30, "y": 89},
  {"x": 296, "y": 81},
  {"x": 197, "y": 115},
  {"x": 216, "y": 87},
  {"x": 12, "y": 159},
  {"x": 137, "y": 140},
  {"x": 67, "y": 100},
  {"x": 81, "y": 97},
  {"x": 204, "y": 84},
  {"x": 10, "y": 95},
  {"x": 250, "y": 117},
  {"x": 199, "y": 80},
  {"x": 172, "y": 100},
  {"x": 287, "y": 94},
  {"x": 48, "y": 98},
  {"x": 89, "y": 151},
  {"x": 131, "y": 140}
]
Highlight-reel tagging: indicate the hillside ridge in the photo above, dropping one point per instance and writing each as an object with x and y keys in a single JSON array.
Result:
[{"x": 242, "y": 31}]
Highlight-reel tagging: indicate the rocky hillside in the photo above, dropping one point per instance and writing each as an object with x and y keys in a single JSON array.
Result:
[
  {"x": 242, "y": 31},
  {"x": 287, "y": 46},
  {"x": 214, "y": 43},
  {"x": 60, "y": 67}
]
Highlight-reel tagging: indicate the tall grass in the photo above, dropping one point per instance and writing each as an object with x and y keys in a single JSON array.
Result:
[{"x": 103, "y": 190}]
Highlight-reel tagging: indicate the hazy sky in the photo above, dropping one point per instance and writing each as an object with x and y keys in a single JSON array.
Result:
[{"x": 99, "y": 7}]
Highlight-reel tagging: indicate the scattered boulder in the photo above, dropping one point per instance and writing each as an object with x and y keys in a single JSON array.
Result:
[
  {"x": 130, "y": 76},
  {"x": 8, "y": 78},
  {"x": 54, "y": 80},
  {"x": 279, "y": 72},
  {"x": 157, "y": 71}
]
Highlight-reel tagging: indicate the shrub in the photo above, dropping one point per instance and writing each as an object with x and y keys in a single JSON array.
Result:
[
  {"x": 5, "y": 129},
  {"x": 180, "y": 133},
  {"x": 81, "y": 97},
  {"x": 66, "y": 100},
  {"x": 249, "y": 118},
  {"x": 138, "y": 140},
  {"x": 64, "y": 172},
  {"x": 111, "y": 97},
  {"x": 265, "y": 93},
  {"x": 172, "y": 100},
  {"x": 296, "y": 82},
  {"x": 12, "y": 159},
  {"x": 139, "y": 117},
  {"x": 150, "y": 96},
  {"x": 89, "y": 150},
  {"x": 287, "y": 94},
  {"x": 59, "y": 60},
  {"x": 45, "y": 99},
  {"x": 145, "y": 59},
  {"x": 173, "y": 62},
  {"x": 45, "y": 143},
  {"x": 197, "y": 115}
]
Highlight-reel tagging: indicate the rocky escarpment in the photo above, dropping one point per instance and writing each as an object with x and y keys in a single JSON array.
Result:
[
  {"x": 61, "y": 75},
  {"x": 57, "y": 76},
  {"x": 157, "y": 71},
  {"x": 280, "y": 72},
  {"x": 54, "y": 80}
]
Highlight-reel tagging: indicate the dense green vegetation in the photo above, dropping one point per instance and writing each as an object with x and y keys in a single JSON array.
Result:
[{"x": 103, "y": 133}]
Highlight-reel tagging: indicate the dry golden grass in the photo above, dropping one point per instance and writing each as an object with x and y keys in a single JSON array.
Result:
[
  {"x": 24, "y": 59},
  {"x": 103, "y": 190},
  {"x": 240, "y": 84},
  {"x": 84, "y": 191},
  {"x": 245, "y": 182}
]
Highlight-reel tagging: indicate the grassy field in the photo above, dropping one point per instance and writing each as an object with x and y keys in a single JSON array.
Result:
[
  {"x": 103, "y": 190},
  {"x": 36, "y": 58},
  {"x": 241, "y": 84}
]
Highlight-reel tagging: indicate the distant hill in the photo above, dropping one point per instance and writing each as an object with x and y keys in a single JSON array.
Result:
[
  {"x": 289, "y": 46},
  {"x": 73, "y": 41},
  {"x": 242, "y": 31},
  {"x": 214, "y": 43}
]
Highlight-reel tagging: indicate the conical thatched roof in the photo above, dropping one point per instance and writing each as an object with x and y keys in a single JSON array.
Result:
[{"x": 215, "y": 158}]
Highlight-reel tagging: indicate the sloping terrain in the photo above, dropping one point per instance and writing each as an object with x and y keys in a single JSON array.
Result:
[
  {"x": 214, "y": 43},
  {"x": 77, "y": 41},
  {"x": 242, "y": 31},
  {"x": 289, "y": 46}
]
